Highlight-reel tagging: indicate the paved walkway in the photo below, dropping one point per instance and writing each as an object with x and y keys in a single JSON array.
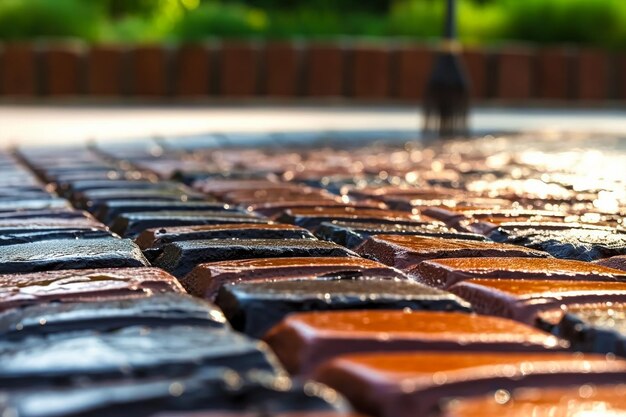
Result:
[{"x": 44, "y": 124}]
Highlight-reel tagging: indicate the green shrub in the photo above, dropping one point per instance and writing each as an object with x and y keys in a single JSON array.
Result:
[
  {"x": 600, "y": 22},
  {"x": 477, "y": 21},
  {"x": 481, "y": 22},
  {"x": 580, "y": 21},
  {"x": 416, "y": 18},
  {"x": 363, "y": 6},
  {"x": 316, "y": 24},
  {"x": 216, "y": 19},
  {"x": 236, "y": 20},
  {"x": 25, "y": 19},
  {"x": 123, "y": 8},
  {"x": 595, "y": 22},
  {"x": 146, "y": 20}
]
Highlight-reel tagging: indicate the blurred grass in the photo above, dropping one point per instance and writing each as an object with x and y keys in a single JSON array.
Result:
[{"x": 593, "y": 22}]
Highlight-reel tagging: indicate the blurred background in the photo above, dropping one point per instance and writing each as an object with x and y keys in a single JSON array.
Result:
[
  {"x": 378, "y": 50},
  {"x": 599, "y": 23},
  {"x": 104, "y": 59}
]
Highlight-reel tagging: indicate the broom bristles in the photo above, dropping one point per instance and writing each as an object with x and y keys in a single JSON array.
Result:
[{"x": 446, "y": 100}]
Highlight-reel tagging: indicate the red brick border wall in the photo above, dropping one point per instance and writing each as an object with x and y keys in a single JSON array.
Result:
[{"x": 357, "y": 71}]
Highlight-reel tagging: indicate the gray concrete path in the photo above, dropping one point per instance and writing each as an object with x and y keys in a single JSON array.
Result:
[{"x": 47, "y": 123}]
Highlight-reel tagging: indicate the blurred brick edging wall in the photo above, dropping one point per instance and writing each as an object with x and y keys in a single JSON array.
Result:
[{"x": 362, "y": 71}]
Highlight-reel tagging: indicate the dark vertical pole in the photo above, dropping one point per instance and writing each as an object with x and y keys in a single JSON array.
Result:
[
  {"x": 446, "y": 100},
  {"x": 450, "y": 23}
]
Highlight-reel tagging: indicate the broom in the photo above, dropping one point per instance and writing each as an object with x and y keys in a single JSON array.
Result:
[{"x": 446, "y": 98}]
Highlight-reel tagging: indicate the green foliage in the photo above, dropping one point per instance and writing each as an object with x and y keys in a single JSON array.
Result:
[
  {"x": 417, "y": 18},
  {"x": 371, "y": 6},
  {"x": 316, "y": 24},
  {"x": 215, "y": 19},
  {"x": 145, "y": 20},
  {"x": 21, "y": 19},
  {"x": 482, "y": 22},
  {"x": 595, "y": 22},
  {"x": 121, "y": 8},
  {"x": 580, "y": 21}
]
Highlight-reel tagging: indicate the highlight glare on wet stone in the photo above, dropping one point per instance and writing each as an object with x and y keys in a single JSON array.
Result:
[
  {"x": 75, "y": 285},
  {"x": 105, "y": 314},
  {"x": 255, "y": 307},
  {"x": 583, "y": 244},
  {"x": 206, "y": 279},
  {"x": 157, "y": 237},
  {"x": 445, "y": 272},
  {"x": 593, "y": 327},
  {"x": 352, "y": 235},
  {"x": 411, "y": 384},
  {"x": 132, "y": 224},
  {"x": 407, "y": 251},
  {"x": 110, "y": 210},
  {"x": 14, "y": 237},
  {"x": 186, "y": 395},
  {"x": 303, "y": 340},
  {"x": 138, "y": 352},
  {"x": 582, "y": 400},
  {"x": 311, "y": 218},
  {"x": 179, "y": 258},
  {"x": 70, "y": 254},
  {"x": 522, "y": 299}
]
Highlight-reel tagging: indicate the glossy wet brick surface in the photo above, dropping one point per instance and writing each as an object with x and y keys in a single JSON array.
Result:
[
  {"x": 303, "y": 341},
  {"x": 601, "y": 400},
  {"x": 415, "y": 279},
  {"x": 255, "y": 307},
  {"x": 407, "y": 384}
]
